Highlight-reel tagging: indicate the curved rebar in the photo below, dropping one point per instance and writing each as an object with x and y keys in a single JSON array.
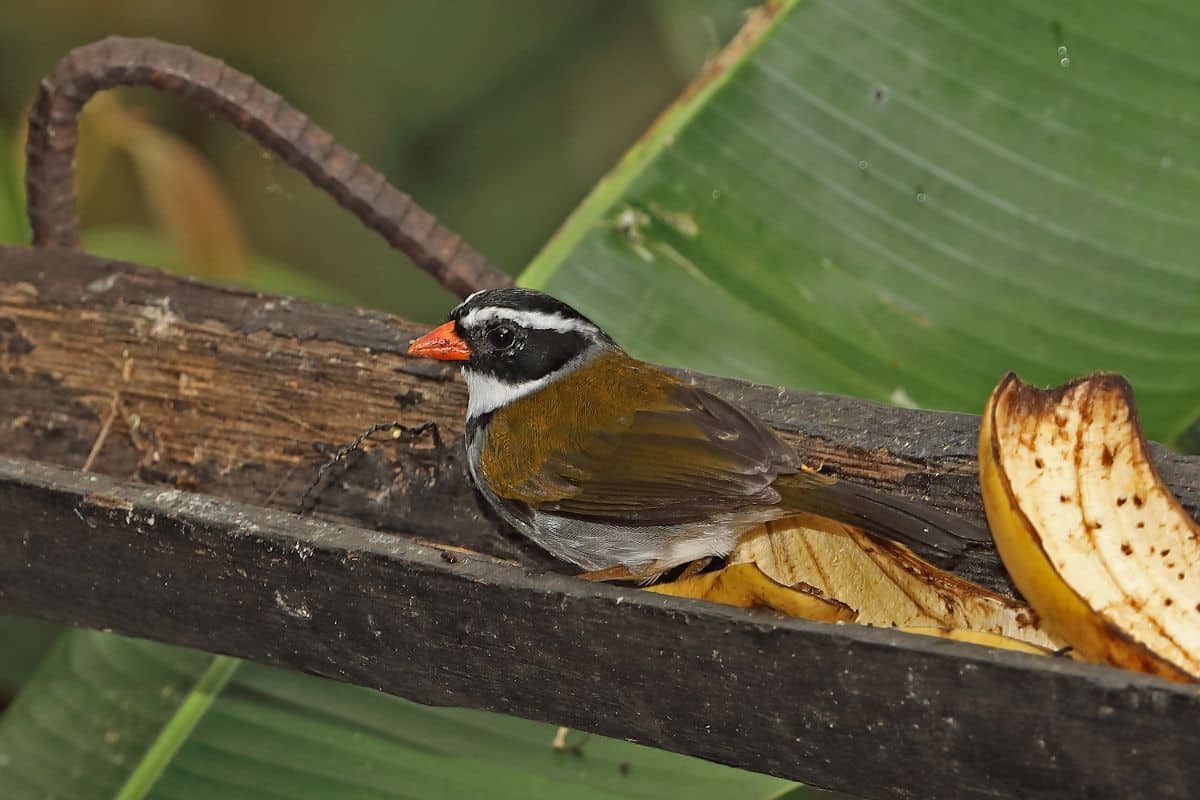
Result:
[{"x": 264, "y": 115}]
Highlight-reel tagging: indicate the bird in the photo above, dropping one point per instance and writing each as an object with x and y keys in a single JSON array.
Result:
[{"x": 624, "y": 469}]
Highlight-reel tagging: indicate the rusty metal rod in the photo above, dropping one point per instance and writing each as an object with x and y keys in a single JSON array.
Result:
[{"x": 250, "y": 107}]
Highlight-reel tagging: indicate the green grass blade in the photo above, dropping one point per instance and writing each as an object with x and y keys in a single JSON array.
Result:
[
  {"x": 84, "y": 720},
  {"x": 180, "y": 727}
]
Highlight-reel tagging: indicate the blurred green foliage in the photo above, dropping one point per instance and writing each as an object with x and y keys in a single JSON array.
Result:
[
  {"x": 109, "y": 717},
  {"x": 13, "y": 226},
  {"x": 498, "y": 117},
  {"x": 886, "y": 202},
  {"x": 25, "y": 641}
]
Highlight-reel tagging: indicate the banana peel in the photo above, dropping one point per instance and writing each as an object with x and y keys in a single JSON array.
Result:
[
  {"x": 985, "y": 638},
  {"x": 884, "y": 582},
  {"x": 746, "y": 586},
  {"x": 1090, "y": 534},
  {"x": 1093, "y": 538}
]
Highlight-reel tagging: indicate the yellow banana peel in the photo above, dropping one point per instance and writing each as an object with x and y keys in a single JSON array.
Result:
[
  {"x": 1090, "y": 534},
  {"x": 746, "y": 586},
  {"x": 986, "y": 638},
  {"x": 884, "y": 582}
]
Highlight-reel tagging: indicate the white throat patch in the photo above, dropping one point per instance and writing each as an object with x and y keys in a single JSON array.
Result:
[{"x": 487, "y": 392}]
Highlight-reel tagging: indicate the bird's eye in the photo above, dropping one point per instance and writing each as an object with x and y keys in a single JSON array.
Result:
[{"x": 501, "y": 337}]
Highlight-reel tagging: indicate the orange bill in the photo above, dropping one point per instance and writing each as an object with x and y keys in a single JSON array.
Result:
[{"x": 441, "y": 343}]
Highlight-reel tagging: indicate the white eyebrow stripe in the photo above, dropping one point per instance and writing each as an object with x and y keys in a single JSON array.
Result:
[
  {"x": 539, "y": 320},
  {"x": 469, "y": 298}
]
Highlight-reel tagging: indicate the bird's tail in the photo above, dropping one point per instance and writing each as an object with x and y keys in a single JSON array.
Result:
[{"x": 938, "y": 537}]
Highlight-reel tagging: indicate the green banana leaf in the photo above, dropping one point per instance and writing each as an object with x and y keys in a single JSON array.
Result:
[
  {"x": 110, "y": 717},
  {"x": 905, "y": 199},
  {"x": 26, "y": 642}
]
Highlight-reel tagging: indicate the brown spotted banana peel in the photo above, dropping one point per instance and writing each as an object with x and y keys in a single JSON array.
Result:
[{"x": 1090, "y": 534}]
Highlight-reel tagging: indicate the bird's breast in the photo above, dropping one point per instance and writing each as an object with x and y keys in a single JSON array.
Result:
[{"x": 536, "y": 449}]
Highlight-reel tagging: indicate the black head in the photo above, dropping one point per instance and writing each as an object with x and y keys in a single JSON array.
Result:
[{"x": 512, "y": 342}]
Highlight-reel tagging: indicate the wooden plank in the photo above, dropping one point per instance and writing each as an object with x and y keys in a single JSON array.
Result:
[
  {"x": 241, "y": 396},
  {"x": 869, "y": 711}
]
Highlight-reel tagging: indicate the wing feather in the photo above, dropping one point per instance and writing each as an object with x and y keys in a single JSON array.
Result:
[{"x": 683, "y": 463}]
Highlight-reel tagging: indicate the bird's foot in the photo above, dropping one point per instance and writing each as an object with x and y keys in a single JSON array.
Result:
[
  {"x": 643, "y": 576},
  {"x": 617, "y": 573},
  {"x": 695, "y": 568},
  {"x": 309, "y": 500}
]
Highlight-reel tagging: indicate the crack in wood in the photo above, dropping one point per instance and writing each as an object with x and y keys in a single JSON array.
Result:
[{"x": 242, "y": 396}]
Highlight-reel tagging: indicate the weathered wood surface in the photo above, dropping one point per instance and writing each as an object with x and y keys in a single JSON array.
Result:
[
  {"x": 243, "y": 396},
  {"x": 869, "y": 711},
  {"x": 240, "y": 397}
]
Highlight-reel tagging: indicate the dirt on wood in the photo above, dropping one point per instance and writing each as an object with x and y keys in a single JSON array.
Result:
[{"x": 245, "y": 396}]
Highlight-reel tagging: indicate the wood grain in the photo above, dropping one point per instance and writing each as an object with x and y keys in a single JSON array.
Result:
[
  {"x": 243, "y": 396},
  {"x": 226, "y": 403},
  {"x": 870, "y": 711}
]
